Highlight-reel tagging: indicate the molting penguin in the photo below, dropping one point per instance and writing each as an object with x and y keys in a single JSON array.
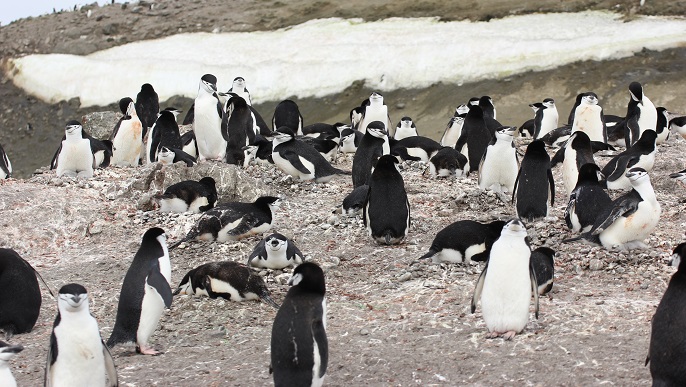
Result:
[
  {"x": 474, "y": 138},
  {"x": 229, "y": 280},
  {"x": 234, "y": 220},
  {"x": 534, "y": 185},
  {"x": 238, "y": 88},
  {"x": 370, "y": 150},
  {"x": 415, "y": 148},
  {"x": 288, "y": 114},
  {"x": 5, "y": 165},
  {"x": 641, "y": 154},
  {"x": 376, "y": 111},
  {"x": 145, "y": 293},
  {"x": 74, "y": 157},
  {"x": 164, "y": 133},
  {"x": 353, "y": 203},
  {"x": 189, "y": 196},
  {"x": 207, "y": 120},
  {"x": 299, "y": 347},
  {"x": 386, "y": 209},
  {"x": 275, "y": 252},
  {"x": 588, "y": 118},
  {"x": 543, "y": 265},
  {"x": 127, "y": 137},
  {"x": 299, "y": 159},
  {"x": 447, "y": 162},
  {"x": 147, "y": 106},
  {"x": 7, "y": 352},
  {"x": 405, "y": 128},
  {"x": 464, "y": 241},
  {"x": 238, "y": 129},
  {"x": 629, "y": 219},
  {"x": 20, "y": 297},
  {"x": 506, "y": 283},
  {"x": 546, "y": 118},
  {"x": 499, "y": 165},
  {"x": 77, "y": 356},
  {"x": 587, "y": 200},
  {"x": 666, "y": 351}
]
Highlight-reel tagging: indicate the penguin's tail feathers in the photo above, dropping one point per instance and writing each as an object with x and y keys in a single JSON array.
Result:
[
  {"x": 575, "y": 239},
  {"x": 189, "y": 237},
  {"x": 268, "y": 299},
  {"x": 428, "y": 255}
]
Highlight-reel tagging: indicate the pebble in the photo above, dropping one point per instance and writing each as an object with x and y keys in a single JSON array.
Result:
[
  {"x": 595, "y": 264},
  {"x": 405, "y": 277}
]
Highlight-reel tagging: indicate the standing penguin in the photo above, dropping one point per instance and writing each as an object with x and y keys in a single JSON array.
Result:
[
  {"x": 234, "y": 220},
  {"x": 577, "y": 152},
  {"x": 145, "y": 293},
  {"x": 474, "y": 138},
  {"x": 666, "y": 352},
  {"x": 641, "y": 110},
  {"x": 629, "y": 219},
  {"x": 20, "y": 298},
  {"x": 299, "y": 347},
  {"x": 506, "y": 283},
  {"x": 546, "y": 118},
  {"x": 207, "y": 120},
  {"x": 74, "y": 157},
  {"x": 641, "y": 154},
  {"x": 534, "y": 185},
  {"x": 464, "y": 241},
  {"x": 164, "y": 133},
  {"x": 387, "y": 210},
  {"x": 350, "y": 140},
  {"x": 189, "y": 195},
  {"x": 275, "y": 252},
  {"x": 147, "y": 106},
  {"x": 5, "y": 165},
  {"x": 662, "y": 125},
  {"x": 127, "y": 137},
  {"x": 238, "y": 88},
  {"x": 588, "y": 117},
  {"x": 77, "y": 356},
  {"x": 288, "y": 114},
  {"x": 370, "y": 150},
  {"x": 229, "y": 280},
  {"x": 499, "y": 165},
  {"x": 299, "y": 159},
  {"x": 238, "y": 129},
  {"x": 405, "y": 128},
  {"x": 376, "y": 110},
  {"x": 587, "y": 200},
  {"x": 7, "y": 352},
  {"x": 452, "y": 131}
]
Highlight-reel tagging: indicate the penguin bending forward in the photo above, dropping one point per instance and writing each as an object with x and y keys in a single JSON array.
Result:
[{"x": 299, "y": 346}]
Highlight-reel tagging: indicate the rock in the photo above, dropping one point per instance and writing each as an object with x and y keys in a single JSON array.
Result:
[
  {"x": 100, "y": 124},
  {"x": 405, "y": 277},
  {"x": 596, "y": 264}
]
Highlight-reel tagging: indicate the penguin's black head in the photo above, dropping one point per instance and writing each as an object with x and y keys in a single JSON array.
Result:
[
  {"x": 309, "y": 277},
  {"x": 590, "y": 173},
  {"x": 271, "y": 201},
  {"x": 475, "y": 112},
  {"x": 461, "y": 111},
  {"x": 146, "y": 87},
  {"x": 124, "y": 104},
  {"x": 678, "y": 256},
  {"x": 209, "y": 78},
  {"x": 7, "y": 351},
  {"x": 536, "y": 106},
  {"x": 387, "y": 161},
  {"x": 71, "y": 297},
  {"x": 648, "y": 138},
  {"x": 485, "y": 101},
  {"x": 580, "y": 140},
  {"x": 239, "y": 79},
  {"x": 377, "y": 129},
  {"x": 590, "y": 98},
  {"x": 549, "y": 102},
  {"x": 153, "y": 234},
  {"x": 536, "y": 147},
  {"x": 636, "y": 91},
  {"x": 72, "y": 126},
  {"x": 275, "y": 241},
  {"x": 208, "y": 182},
  {"x": 376, "y": 96},
  {"x": 547, "y": 251},
  {"x": 637, "y": 173},
  {"x": 474, "y": 101},
  {"x": 364, "y": 104},
  {"x": 73, "y": 289}
]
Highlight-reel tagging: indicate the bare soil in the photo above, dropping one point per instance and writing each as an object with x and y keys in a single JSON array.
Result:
[{"x": 389, "y": 323}]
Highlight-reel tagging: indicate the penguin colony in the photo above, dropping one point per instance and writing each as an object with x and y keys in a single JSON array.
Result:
[{"x": 614, "y": 207}]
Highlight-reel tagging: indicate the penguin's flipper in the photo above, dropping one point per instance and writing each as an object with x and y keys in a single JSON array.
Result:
[
  {"x": 293, "y": 251},
  {"x": 294, "y": 159},
  {"x": 534, "y": 286},
  {"x": 160, "y": 284},
  {"x": 552, "y": 187},
  {"x": 559, "y": 157},
  {"x": 478, "y": 288},
  {"x": 247, "y": 223},
  {"x": 571, "y": 207},
  {"x": 461, "y": 141},
  {"x": 116, "y": 127},
  {"x": 624, "y": 208},
  {"x": 52, "y": 357},
  {"x": 110, "y": 369},
  {"x": 514, "y": 190},
  {"x": 623, "y": 163},
  {"x": 53, "y": 163},
  {"x": 256, "y": 252},
  {"x": 181, "y": 156}
]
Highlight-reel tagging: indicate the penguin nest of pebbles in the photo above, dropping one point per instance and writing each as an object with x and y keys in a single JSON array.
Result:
[{"x": 389, "y": 323}]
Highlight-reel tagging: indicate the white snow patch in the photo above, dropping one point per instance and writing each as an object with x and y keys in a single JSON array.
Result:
[{"x": 322, "y": 57}]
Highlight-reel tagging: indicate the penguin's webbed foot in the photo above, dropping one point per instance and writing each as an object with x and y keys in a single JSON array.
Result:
[
  {"x": 492, "y": 335},
  {"x": 145, "y": 350},
  {"x": 509, "y": 335}
]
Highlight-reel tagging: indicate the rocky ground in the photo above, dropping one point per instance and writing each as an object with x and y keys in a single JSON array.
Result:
[{"x": 389, "y": 323}]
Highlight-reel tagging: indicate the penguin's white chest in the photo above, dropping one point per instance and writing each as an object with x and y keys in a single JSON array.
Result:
[
  {"x": 277, "y": 259},
  {"x": 635, "y": 228},
  {"x": 452, "y": 133},
  {"x": 648, "y": 118},
  {"x": 152, "y": 308},
  {"x": 80, "y": 359},
  {"x": 499, "y": 166},
  {"x": 288, "y": 168},
  {"x": 223, "y": 287},
  {"x": 506, "y": 293},
  {"x": 6, "y": 377},
  {"x": 348, "y": 145},
  {"x": 378, "y": 112},
  {"x": 587, "y": 119},
  {"x": 405, "y": 132},
  {"x": 570, "y": 172},
  {"x": 127, "y": 144},
  {"x": 207, "y": 128},
  {"x": 76, "y": 156},
  {"x": 548, "y": 122}
]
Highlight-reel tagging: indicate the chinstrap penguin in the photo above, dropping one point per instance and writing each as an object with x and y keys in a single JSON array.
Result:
[
  {"x": 189, "y": 196},
  {"x": 74, "y": 157},
  {"x": 499, "y": 165},
  {"x": 275, "y": 252},
  {"x": 127, "y": 136},
  {"x": 464, "y": 241},
  {"x": 543, "y": 264},
  {"x": 641, "y": 154},
  {"x": 147, "y": 106},
  {"x": 405, "y": 128},
  {"x": 447, "y": 162},
  {"x": 387, "y": 210},
  {"x": 587, "y": 199},
  {"x": 535, "y": 185},
  {"x": 207, "y": 121},
  {"x": 371, "y": 148}
]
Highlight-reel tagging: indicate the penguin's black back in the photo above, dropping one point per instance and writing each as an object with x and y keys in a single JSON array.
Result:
[
  {"x": 237, "y": 130},
  {"x": 463, "y": 234},
  {"x": 239, "y": 276},
  {"x": 667, "y": 352},
  {"x": 533, "y": 182},
  {"x": 147, "y": 106},
  {"x": 133, "y": 289},
  {"x": 386, "y": 207},
  {"x": 298, "y": 323},
  {"x": 20, "y": 297},
  {"x": 591, "y": 198},
  {"x": 368, "y": 152},
  {"x": 542, "y": 260},
  {"x": 476, "y": 135},
  {"x": 287, "y": 114}
]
